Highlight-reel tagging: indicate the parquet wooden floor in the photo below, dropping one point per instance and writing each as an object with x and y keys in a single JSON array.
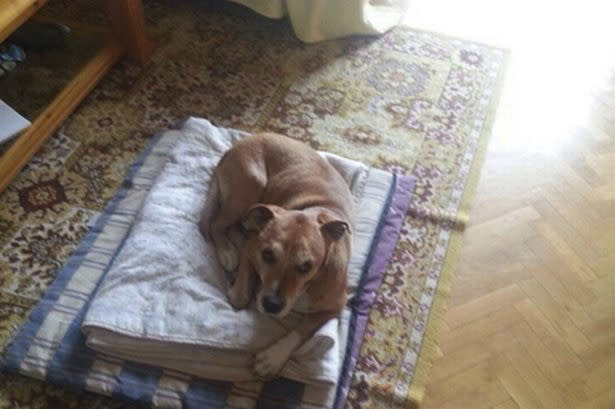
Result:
[{"x": 531, "y": 316}]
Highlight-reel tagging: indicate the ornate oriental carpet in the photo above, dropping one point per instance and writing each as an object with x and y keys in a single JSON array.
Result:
[{"x": 413, "y": 102}]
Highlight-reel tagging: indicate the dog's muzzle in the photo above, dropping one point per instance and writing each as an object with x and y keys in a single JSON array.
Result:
[{"x": 272, "y": 304}]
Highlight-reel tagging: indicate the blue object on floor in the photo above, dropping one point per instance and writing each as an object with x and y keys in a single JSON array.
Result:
[{"x": 12, "y": 52}]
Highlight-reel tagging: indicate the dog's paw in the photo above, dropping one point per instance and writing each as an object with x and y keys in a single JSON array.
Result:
[
  {"x": 237, "y": 298},
  {"x": 270, "y": 361},
  {"x": 228, "y": 257}
]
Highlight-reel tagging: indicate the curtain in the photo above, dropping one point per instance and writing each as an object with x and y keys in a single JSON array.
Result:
[{"x": 318, "y": 20}]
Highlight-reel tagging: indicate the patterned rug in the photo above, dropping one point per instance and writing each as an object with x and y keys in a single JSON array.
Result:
[{"x": 412, "y": 102}]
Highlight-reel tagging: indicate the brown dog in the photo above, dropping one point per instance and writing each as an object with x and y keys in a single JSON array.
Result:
[{"x": 296, "y": 210}]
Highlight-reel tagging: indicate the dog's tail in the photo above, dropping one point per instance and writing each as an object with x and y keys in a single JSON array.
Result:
[{"x": 210, "y": 208}]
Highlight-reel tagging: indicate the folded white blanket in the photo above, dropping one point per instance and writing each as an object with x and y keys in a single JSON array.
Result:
[{"x": 163, "y": 301}]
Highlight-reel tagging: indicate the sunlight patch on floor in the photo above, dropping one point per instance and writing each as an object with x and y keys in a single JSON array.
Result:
[{"x": 561, "y": 55}]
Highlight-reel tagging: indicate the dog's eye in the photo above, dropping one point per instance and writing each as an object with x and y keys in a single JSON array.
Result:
[
  {"x": 304, "y": 268},
  {"x": 268, "y": 256}
]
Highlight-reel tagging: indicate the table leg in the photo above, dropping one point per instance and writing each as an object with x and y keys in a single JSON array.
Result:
[{"x": 128, "y": 25}]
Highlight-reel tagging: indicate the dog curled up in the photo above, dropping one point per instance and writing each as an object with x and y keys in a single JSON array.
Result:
[{"x": 296, "y": 213}]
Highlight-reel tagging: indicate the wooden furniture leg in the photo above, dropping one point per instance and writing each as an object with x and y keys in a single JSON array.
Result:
[{"x": 128, "y": 25}]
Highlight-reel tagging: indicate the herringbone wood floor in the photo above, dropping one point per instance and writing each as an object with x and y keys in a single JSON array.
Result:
[{"x": 531, "y": 317}]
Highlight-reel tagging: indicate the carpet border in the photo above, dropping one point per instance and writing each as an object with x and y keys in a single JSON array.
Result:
[
  {"x": 416, "y": 391},
  {"x": 456, "y": 37}
]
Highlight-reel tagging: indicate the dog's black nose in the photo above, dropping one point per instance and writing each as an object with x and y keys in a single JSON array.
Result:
[{"x": 272, "y": 304}]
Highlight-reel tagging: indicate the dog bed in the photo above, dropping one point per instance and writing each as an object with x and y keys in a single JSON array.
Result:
[{"x": 52, "y": 346}]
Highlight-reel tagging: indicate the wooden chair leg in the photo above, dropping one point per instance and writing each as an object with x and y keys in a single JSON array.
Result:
[{"x": 128, "y": 25}]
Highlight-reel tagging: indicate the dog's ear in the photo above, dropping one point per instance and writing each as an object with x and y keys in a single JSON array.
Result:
[
  {"x": 335, "y": 230},
  {"x": 257, "y": 217}
]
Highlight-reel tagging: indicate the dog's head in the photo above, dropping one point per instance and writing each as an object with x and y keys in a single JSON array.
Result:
[{"x": 288, "y": 249}]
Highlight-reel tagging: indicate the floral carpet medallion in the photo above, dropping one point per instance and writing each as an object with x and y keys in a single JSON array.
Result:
[{"x": 411, "y": 102}]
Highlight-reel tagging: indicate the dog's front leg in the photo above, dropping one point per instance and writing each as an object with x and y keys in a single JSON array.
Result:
[
  {"x": 270, "y": 361},
  {"x": 241, "y": 288}
]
